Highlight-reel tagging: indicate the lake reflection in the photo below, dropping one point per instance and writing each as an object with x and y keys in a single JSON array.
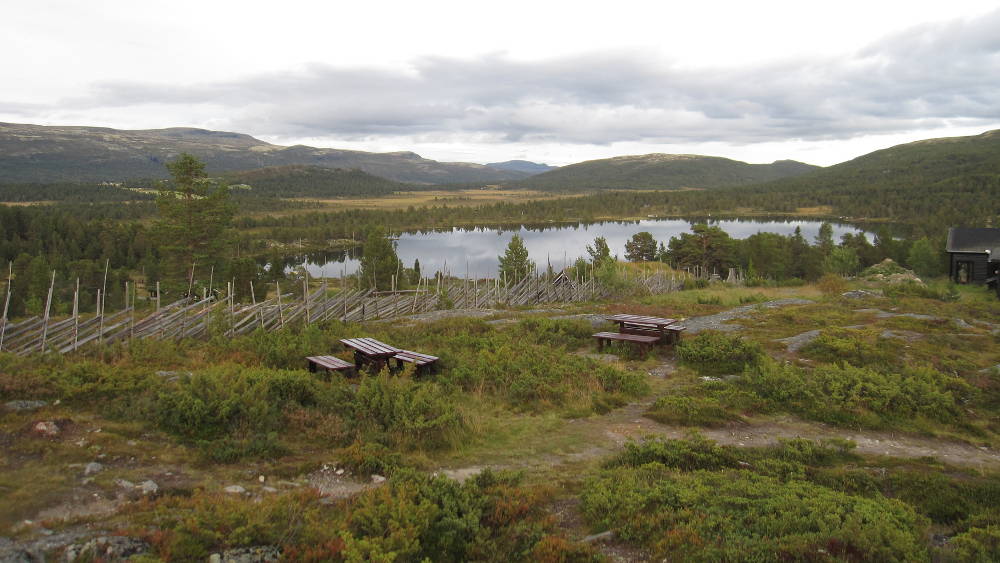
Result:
[{"x": 476, "y": 250}]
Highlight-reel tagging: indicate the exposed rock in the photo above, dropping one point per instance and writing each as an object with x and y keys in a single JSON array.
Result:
[
  {"x": 148, "y": 487},
  {"x": 46, "y": 428},
  {"x": 106, "y": 548},
  {"x": 122, "y": 483},
  {"x": 797, "y": 342},
  {"x": 603, "y": 536},
  {"x": 21, "y": 406},
  {"x": 93, "y": 468},
  {"x": 890, "y": 272},
  {"x": 907, "y": 335},
  {"x": 256, "y": 554},
  {"x": 663, "y": 370},
  {"x": 718, "y": 321},
  {"x": 235, "y": 489},
  {"x": 860, "y": 294},
  {"x": 378, "y": 479}
]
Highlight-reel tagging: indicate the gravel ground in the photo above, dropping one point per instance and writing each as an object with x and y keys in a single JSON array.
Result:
[{"x": 718, "y": 321}]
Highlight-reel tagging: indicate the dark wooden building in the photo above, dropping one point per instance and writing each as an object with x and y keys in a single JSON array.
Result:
[{"x": 973, "y": 255}]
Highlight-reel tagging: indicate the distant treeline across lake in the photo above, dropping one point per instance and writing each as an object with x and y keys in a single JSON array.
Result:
[{"x": 476, "y": 250}]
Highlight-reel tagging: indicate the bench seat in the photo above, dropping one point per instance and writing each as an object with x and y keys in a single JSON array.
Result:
[
  {"x": 328, "y": 363},
  {"x": 674, "y": 331},
  {"x": 640, "y": 339},
  {"x": 416, "y": 358}
]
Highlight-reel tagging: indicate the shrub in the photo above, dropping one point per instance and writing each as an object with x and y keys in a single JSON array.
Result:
[
  {"x": 854, "y": 396},
  {"x": 695, "y": 452},
  {"x": 832, "y": 284},
  {"x": 740, "y": 516},
  {"x": 941, "y": 292},
  {"x": 976, "y": 544},
  {"x": 718, "y": 352},
  {"x": 406, "y": 413},
  {"x": 689, "y": 411},
  {"x": 857, "y": 347}
]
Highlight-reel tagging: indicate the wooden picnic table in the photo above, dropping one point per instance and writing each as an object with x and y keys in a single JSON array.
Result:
[
  {"x": 665, "y": 330},
  {"x": 370, "y": 351}
]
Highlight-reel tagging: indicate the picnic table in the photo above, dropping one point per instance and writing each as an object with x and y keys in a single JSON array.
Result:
[
  {"x": 370, "y": 351},
  {"x": 665, "y": 329}
]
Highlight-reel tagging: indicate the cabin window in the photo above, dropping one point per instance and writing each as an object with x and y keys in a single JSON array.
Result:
[{"x": 963, "y": 271}]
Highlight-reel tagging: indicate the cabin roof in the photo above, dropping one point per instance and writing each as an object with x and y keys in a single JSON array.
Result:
[{"x": 962, "y": 239}]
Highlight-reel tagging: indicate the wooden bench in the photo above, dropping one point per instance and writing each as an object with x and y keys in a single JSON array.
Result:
[
  {"x": 328, "y": 363},
  {"x": 415, "y": 358},
  {"x": 643, "y": 341},
  {"x": 673, "y": 333}
]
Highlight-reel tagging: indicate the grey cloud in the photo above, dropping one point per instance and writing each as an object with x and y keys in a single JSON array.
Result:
[{"x": 927, "y": 75}]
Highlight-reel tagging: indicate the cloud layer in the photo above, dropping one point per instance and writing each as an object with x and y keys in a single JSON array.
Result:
[{"x": 928, "y": 77}]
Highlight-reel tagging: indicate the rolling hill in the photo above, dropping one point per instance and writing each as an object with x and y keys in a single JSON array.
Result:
[
  {"x": 525, "y": 166},
  {"x": 312, "y": 181},
  {"x": 37, "y": 153},
  {"x": 662, "y": 171},
  {"x": 912, "y": 166}
]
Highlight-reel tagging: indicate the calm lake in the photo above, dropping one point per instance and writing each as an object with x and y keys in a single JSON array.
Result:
[{"x": 476, "y": 250}]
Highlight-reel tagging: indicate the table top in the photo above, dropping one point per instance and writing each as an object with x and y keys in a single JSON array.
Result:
[
  {"x": 370, "y": 347},
  {"x": 638, "y": 319}
]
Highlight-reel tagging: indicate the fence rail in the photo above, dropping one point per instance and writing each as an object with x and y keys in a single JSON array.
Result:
[{"x": 190, "y": 318}]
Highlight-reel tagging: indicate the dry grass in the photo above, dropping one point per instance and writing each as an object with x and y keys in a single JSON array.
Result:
[{"x": 404, "y": 200}]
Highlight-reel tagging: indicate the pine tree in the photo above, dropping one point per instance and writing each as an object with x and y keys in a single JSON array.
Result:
[
  {"x": 194, "y": 215},
  {"x": 514, "y": 264},
  {"x": 379, "y": 261}
]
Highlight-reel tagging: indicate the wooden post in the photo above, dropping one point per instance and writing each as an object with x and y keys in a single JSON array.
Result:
[
  {"x": 281, "y": 314},
  {"x": 131, "y": 321},
  {"x": 76, "y": 314},
  {"x": 305, "y": 295},
  {"x": 6, "y": 303},
  {"x": 100, "y": 314},
  {"x": 159, "y": 319},
  {"x": 260, "y": 311},
  {"x": 48, "y": 307},
  {"x": 232, "y": 307}
]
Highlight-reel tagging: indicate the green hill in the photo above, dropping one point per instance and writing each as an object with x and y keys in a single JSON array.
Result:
[
  {"x": 662, "y": 171},
  {"x": 911, "y": 166},
  {"x": 312, "y": 181},
  {"x": 48, "y": 154}
]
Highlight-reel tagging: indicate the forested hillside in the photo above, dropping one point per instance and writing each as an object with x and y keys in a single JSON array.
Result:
[
  {"x": 312, "y": 181},
  {"x": 662, "y": 171}
]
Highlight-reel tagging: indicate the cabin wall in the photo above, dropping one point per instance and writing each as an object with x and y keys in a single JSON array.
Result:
[{"x": 979, "y": 265}]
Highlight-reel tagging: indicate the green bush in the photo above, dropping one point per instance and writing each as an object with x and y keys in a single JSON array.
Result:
[
  {"x": 405, "y": 412},
  {"x": 862, "y": 348},
  {"x": 695, "y": 452},
  {"x": 941, "y": 292},
  {"x": 851, "y": 395},
  {"x": 689, "y": 411},
  {"x": 413, "y": 517},
  {"x": 979, "y": 545},
  {"x": 718, "y": 352},
  {"x": 740, "y": 516}
]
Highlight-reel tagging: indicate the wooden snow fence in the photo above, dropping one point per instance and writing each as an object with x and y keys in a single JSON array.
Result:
[{"x": 201, "y": 318}]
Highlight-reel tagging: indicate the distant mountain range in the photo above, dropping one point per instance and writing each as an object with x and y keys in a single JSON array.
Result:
[
  {"x": 37, "y": 153},
  {"x": 663, "y": 171},
  {"x": 522, "y": 166}
]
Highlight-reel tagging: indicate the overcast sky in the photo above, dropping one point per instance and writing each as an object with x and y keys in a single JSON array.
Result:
[{"x": 555, "y": 82}]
